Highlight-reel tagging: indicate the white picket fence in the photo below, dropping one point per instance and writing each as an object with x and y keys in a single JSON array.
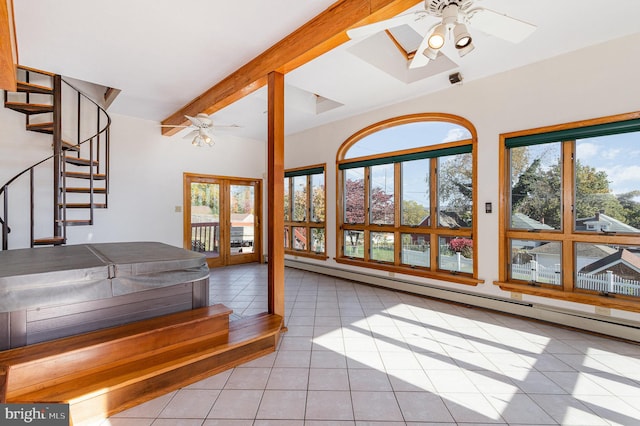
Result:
[{"x": 606, "y": 282}]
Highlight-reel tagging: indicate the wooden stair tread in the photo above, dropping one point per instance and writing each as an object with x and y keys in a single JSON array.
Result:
[
  {"x": 41, "y": 127},
  {"x": 84, "y": 175},
  {"x": 48, "y": 241},
  {"x": 39, "y": 351},
  {"x": 80, "y": 161},
  {"x": 105, "y": 379},
  {"x": 29, "y": 108},
  {"x": 85, "y": 190},
  {"x": 25, "y": 87},
  {"x": 76, "y": 222},
  {"x": 83, "y": 205},
  {"x": 68, "y": 146}
]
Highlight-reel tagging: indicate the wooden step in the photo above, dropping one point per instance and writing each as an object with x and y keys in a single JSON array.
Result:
[
  {"x": 80, "y": 161},
  {"x": 82, "y": 190},
  {"x": 76, "y": 222},
  {"x": 29, "y": 109},
  {"x": 114, "y": 385},
  {"x": 84, "y": 205},
  {"x": 51, "y": 241},
  {"x": 83, "y": 175},
  {"x": 68, "y": 146},
  {"x": 41, "y": 127},
  {"x": 34, "y": 88}
]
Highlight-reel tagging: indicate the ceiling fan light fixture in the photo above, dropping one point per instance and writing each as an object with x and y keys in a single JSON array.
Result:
[
  {"x": 464, "y": 50},
  {"x": 430, "y": 53},
  {"x": 436, "y": 39},
  {"x": 461, "y": 36}
]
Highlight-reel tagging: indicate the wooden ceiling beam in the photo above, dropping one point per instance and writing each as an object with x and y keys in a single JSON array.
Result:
[
  {"x": 318, "y": 36},
  {"x": 8, "y": 47}
]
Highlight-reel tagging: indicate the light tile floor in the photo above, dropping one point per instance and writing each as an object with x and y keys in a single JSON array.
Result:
[{"x": 359, "y": 355}]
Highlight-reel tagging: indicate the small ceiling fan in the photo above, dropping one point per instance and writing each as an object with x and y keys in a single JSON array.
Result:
[
  {"x": 203, "y": 128},
  {"x": 452, "y": 16}
]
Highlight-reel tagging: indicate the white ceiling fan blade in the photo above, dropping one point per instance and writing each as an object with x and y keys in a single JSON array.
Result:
[
  {"x": 367, "y": 30},
  {"x": 500, "y": 25},
  {"x": 192, "y": 134},
  {"x": 419, "y": 59},
  {"x": 200, "y": 120}
]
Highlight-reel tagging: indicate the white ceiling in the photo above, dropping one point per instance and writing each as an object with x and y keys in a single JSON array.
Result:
[{"x": 163, "y": 53}]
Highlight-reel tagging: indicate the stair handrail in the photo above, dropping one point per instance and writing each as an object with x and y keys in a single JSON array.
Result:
[{"x": 4, "y": 225}]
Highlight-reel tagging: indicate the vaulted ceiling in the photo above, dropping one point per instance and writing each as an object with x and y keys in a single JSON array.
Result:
[{"x": 164, "y": 54}]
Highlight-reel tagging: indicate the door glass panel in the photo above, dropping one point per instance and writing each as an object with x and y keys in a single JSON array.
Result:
[
  {"x": 299, "y": 238},
  {"x": 242, "y": 201},
  {"x": 205, "y": 218}
]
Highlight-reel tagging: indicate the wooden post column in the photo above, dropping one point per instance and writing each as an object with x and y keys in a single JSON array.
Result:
[{"x": 275, "y": 193}]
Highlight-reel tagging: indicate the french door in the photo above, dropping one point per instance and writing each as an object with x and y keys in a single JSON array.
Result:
[{"x": 222, "y": 218}]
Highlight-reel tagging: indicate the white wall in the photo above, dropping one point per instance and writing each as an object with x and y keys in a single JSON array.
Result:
[
  {"x": 590, "y": 83},
  {"x": 146, "y": 178}
]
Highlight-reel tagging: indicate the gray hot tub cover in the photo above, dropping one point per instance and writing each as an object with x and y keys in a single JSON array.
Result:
[{"x": 50, "y": 276}]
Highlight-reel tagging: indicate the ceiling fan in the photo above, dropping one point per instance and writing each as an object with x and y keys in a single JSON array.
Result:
[
  {"x": 203, "y": 127},
  {"x": 452, "y": 16}
]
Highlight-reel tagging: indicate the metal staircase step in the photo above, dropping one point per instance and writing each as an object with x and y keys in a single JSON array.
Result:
[
  {"x": 41, "y": 127},
  {"x": 27, "y": 108},
  {"x": 34, "y": 88}
]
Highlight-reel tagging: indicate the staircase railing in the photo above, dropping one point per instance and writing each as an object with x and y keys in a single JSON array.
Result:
[{"x": 97, "y": 142}]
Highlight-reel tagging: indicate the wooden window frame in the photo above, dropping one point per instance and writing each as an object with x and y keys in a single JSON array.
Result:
[
  {"x": 567, "y": 134},
  {"x": 308, "y": 224},
  {"x": 432, "y": 232}
]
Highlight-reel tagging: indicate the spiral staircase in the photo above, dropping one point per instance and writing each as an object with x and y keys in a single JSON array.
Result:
[{"x": 78, "y": 169}]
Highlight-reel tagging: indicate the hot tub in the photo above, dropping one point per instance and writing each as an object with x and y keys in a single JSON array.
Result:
[{"x": 52, "y": 292}]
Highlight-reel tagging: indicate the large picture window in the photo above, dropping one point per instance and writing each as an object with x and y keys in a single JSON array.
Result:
[
  {"x": 572, "y": 212},
  {"x": 406, "y": 197},
  {"x": 304, "y": 211}
]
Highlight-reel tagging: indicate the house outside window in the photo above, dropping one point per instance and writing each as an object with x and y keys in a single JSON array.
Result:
[
  {"x": 571, "y": 227},
  {"x": 406, "y": 196},
  {"x": 304, "y": 206}
]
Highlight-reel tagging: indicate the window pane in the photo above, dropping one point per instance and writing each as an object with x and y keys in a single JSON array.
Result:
[
  {"x": 382, "y": 246},
  {"x": 317, "y": 198},
  {"x": 536, "y": 261},
  {"x": 299, "y": 238},
  {"x": 317, "y": 240},
  {"x": 354, "y": 244},
  {"x": 608, "y": 269},
  {"x": 287, "y": 238},
  {"x": 286, "y": 199},
  {"x": 535, "y": 186},
  {"x": 455, "y": 191},
  {"x": 300, "y": 198},
  {"x": 607, "y": 178},
  {"x": 456, "y": 254},
  {"x": 354, "y": 195},
  {"x": 416, "y": 250},
  {"x": 415, "y": 192},
  {"x": 408, "y": 136},
  {"x": 381, "y": 200}
]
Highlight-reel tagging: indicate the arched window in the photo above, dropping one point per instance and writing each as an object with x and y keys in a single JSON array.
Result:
[{"x": 406, "y": 197}]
